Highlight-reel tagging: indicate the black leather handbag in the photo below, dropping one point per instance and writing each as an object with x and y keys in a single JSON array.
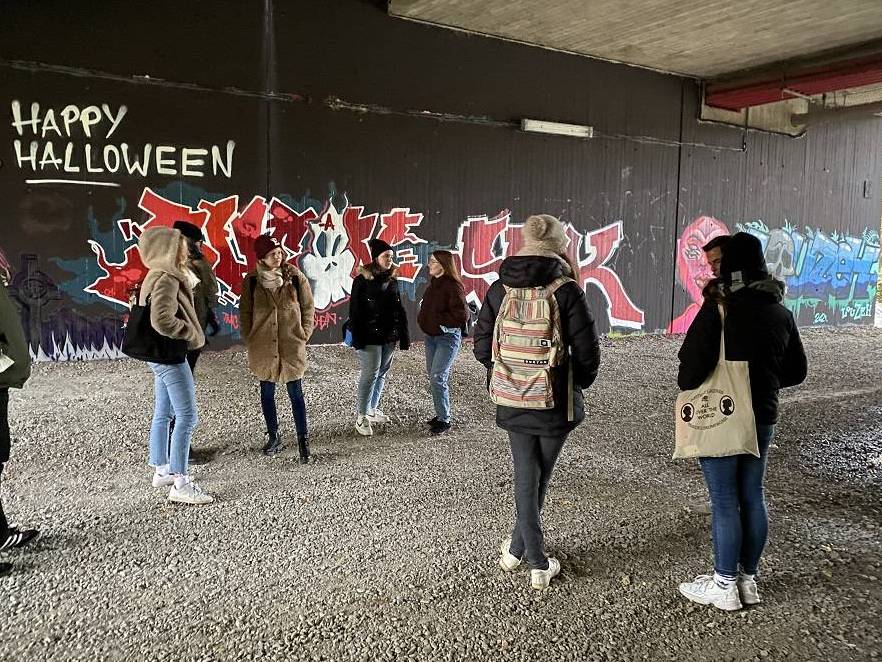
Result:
[{"x": 145, "y": 343}]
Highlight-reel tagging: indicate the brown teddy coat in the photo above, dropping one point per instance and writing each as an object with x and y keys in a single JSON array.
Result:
[
  {"x": 172, "y": 311},
  {"x": 276, "y": 325}
]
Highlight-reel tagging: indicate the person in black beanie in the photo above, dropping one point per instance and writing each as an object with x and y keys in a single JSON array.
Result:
[
  {"x": 377, "y": 321},
  {"x": 205, "y": 293},
  {"x": 761, "y": 331},
  {"x": 204, "y": 299}
]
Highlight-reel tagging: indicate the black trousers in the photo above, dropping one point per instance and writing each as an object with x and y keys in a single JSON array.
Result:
[{"x": 4, "y": 450}]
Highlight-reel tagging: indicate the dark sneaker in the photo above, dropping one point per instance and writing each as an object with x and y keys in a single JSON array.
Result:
[
  {"x": 17, "y": 538},
  {"x": 5, "y": 569},
  {"x": 440, "y": 427},
  {"x": 432, "y": 421}
]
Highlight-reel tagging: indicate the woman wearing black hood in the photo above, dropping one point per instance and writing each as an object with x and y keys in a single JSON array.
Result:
[
  {"x": 536, "y": 435},
  {"x": 761, "y": 331},
  {"x": 378, "y": 322}
]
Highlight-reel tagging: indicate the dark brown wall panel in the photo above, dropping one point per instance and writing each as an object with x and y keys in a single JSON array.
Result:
[{"x": 324, "y": 102}]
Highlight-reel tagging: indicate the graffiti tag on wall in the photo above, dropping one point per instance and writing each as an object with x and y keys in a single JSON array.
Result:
[
  {"x": 329, "y": 244},
  {"x": 830, "y": 277}
]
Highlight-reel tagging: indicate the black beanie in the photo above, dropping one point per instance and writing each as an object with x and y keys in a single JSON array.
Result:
[
  {"x": 378, "y": 246},
  {"x": 743, "y": 252},
  {"x": 189, "y": 230}
]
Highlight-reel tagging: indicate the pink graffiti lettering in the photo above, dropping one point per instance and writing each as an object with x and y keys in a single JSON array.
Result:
[
  {"x": 324, "y": 320},
  {"x": 232, "y": 320}
]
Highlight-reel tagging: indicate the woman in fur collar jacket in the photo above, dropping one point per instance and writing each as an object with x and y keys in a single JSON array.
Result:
[
  {"x": 277, "y": 317},
  {"x": 169, "y": 286},
  {"x": 378, "y": 322}
]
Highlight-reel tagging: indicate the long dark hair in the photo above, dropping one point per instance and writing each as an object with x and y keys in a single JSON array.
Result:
[{"x": 445, "y": 259}]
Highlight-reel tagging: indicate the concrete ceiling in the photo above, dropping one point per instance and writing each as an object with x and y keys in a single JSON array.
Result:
[{"x": 705, "y": 39}]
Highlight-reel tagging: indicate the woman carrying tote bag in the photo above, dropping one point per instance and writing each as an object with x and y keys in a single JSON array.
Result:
[
  {"x": 168, "y": 290},
  {"x": 760, "y": 331}
]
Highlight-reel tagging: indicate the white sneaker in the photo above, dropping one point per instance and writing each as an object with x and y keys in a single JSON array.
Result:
[
  {"x": 508, "y": 561},
  {"x": 540, "y": 579},
  {"x": 363, "y": 426},
  {"x": 378, "y": 417},
  {"x": 190, "y": 493},
  {"x": 747, "y": 590},
  {"x": 160, "y": 480},
  {"x": 705, "y": 591}
]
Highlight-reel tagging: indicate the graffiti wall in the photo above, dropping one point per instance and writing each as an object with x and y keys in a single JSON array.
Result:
[
  {"x": 310, "y": 136},
  {"x": 831, "y": 278}
]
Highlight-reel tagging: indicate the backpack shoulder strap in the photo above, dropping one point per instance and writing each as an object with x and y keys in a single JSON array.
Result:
[{"x": 557, "y": 283}]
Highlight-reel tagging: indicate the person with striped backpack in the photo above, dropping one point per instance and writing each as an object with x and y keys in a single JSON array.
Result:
[{"x": 536, "y": 337}]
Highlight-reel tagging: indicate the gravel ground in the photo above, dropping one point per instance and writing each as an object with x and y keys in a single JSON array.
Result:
[{"x": 386, "y": 548}]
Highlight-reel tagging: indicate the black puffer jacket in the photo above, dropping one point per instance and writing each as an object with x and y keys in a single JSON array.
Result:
[
  {"x": 376, "y": 314},
  {"x": 579, "y": 334},
  {"x": 759, "y": 330}
]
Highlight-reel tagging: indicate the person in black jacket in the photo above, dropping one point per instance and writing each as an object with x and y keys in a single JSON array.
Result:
[
  {"x": 15, "y": 368},
  {"x": 537, "y": 436},
  {"x": 377, "y": 321},
  {"x": 761, "y": 331}
]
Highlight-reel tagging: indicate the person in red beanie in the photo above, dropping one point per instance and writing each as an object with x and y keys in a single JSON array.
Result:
[{"x": 277, "y": 317}]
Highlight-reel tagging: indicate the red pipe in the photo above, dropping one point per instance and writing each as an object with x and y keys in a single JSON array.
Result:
[{"x": 839, "y": 76}]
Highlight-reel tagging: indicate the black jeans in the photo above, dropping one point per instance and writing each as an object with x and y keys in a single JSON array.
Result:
[
  {"x": 5, "y": 439},
  {"x": 298, "y": 404},
  {"x": 4, "y": 450},
  {"x": 534, "y": 459}
]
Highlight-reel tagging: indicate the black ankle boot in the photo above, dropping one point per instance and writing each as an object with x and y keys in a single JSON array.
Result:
[
  {"x": 303, "y": 447},
  {"x": 273, "y": 443}
]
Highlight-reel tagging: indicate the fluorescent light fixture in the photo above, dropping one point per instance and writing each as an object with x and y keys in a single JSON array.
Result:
[{"x": 575, "y": 130}]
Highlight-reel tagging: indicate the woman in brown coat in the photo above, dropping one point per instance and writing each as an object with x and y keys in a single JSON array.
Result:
[
  {"x": 276, "y": 315},
  {"x": 442, "y": 317}
]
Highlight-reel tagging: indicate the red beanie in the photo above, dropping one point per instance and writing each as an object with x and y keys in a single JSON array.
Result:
[{"x": 264, "y": 245}]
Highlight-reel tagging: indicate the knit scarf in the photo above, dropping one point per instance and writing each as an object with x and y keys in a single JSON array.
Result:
[{"x": 270, "y": 279}]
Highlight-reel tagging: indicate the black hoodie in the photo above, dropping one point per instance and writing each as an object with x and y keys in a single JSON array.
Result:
[
  {"x": 759, "y": 330},
  {"x": 579, "y": 335}
]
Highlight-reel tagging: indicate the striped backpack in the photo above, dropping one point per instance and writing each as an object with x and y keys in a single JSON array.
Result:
[{"x": 527, "y": 344}]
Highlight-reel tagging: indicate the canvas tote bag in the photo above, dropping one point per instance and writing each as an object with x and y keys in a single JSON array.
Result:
[{"x": 716, "y": 419}]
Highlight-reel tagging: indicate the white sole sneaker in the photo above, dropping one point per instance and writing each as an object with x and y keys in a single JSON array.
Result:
[
  {"x": 540, "y": 579},
  {"x": 705, "y": 591},
  {"x": 190, "y": 494},
  {"x": 163, "y": 481},
  {"x": 363, "y": 426},
  {"x": 748, "y": 591},
  {"x": 508, "y": 561},
  {"x": 378, "y": 417}
]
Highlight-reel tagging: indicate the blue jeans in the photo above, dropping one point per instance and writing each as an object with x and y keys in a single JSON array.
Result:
[
  {"x": 175, "y": 396},
  {"x": 440, "y": 354},
  {"x": 375, "y": 361},
  {"x": 298, "y": 404},
  {"x": 740, "y": 521}
]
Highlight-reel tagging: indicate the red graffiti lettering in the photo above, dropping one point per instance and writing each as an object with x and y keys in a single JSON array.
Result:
[
  {"x": 290, "y": 227},
  {"x": 600, "y": 245},
  {"x": 359, "y": 229}
]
